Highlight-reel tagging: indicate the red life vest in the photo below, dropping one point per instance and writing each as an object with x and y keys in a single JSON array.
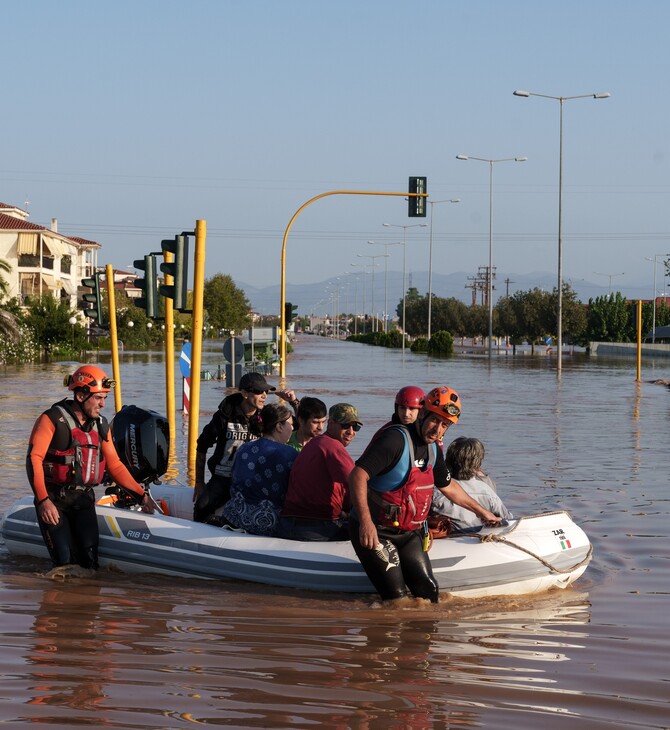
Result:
[
  {"x": 82, "y": 463},
  {"x": 406, "y": 507}
]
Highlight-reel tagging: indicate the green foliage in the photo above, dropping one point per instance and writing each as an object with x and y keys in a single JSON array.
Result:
[
  {"x": 380, "y": 339},
  {"x": 441, "y": 343},
  {"x": 5, "y": 268},
  {"x": 531, "y": 315},
  {"x": 450, "y": 314},
  {"x": 49, "y": 321},
  {"x": 611, "y": 319},
  {"x": 18, "y": 349},
  {"x": 227, "y": 306},
  {"x": 420, "y": 344}
]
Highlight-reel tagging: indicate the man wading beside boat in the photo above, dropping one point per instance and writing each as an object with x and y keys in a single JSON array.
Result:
[
  {"x": 317, "y": 501},
  {"x": 69, "y": 450},
  {"x": 391, "y": 488}
]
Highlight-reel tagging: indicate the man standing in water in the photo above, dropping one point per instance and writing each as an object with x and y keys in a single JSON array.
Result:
[
  {"x": 69, "y": 450},
  {"x": 391, "y": 489}
]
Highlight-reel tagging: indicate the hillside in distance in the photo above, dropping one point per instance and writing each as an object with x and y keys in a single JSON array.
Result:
[{"x": 320, "y": 297}]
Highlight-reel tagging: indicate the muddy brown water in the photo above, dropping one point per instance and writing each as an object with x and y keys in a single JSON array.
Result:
[{"x": 119, "y": 651}]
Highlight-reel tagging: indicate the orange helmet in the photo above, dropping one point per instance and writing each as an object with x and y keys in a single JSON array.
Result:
[
  {"x": 443, "y": 402},
  {"x": 89, "y": 378},
  {"x": 410, "y": 396}
]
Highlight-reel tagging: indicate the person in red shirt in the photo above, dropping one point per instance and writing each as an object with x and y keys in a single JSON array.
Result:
[
  {"x": 70, "y": 449},
  {"x": 317, "y": 501}
]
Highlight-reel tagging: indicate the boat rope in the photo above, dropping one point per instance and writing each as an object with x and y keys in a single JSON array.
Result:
[{"x": 492, "y": 537}]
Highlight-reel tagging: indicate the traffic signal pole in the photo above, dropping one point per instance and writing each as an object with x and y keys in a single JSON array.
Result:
[
  {"x": 113, "y": 339},
  {"x": 196, "y": 344},
  {"x": 282, "y": 302},
  {"x": 169, "y": 359}
]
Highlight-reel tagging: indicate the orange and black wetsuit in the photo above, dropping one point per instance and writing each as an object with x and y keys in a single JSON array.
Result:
[{"x": 65, "y": 461}]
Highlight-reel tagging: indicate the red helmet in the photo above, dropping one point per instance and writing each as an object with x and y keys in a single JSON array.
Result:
[
  {"x": 90, "y": 378},
  {"x": 410, "y": 396},
  {"x": 443, "y": 402}
]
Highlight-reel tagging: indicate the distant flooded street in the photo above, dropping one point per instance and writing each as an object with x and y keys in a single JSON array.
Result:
[{"x": 132, "y": 651}]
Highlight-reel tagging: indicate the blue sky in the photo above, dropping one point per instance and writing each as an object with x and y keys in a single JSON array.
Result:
[{"x": 128, "y": 121}]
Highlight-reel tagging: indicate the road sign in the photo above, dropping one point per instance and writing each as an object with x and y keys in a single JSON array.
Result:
[
  {"x": 233, "y": 350},
  {"x": 185, "y": 360}
]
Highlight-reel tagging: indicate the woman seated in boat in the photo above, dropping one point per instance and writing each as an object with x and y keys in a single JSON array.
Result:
[
  {"x": 464, "y": 458},
  {"x": 236, "y": 422},
  {"x": 260, "y": 475}
]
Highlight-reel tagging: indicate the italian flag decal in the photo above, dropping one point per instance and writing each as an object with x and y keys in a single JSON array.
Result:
[{"x": 565, "y": 543}]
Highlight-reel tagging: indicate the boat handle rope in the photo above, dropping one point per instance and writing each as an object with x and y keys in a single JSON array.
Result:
[{"x": 492, "y": 537}]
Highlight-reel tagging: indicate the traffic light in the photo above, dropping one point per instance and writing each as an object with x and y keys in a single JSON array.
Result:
[
  {"x": 94, "y": 299},
  {"x": 289, "y": 313},
  {"x": 148, "y": 284},
  {"x": 417, "y": 205},
  {"x": 178, "y": 269}
]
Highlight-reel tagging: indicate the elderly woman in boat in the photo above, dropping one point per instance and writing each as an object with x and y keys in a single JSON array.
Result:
[{"x": 465, "y": 458}]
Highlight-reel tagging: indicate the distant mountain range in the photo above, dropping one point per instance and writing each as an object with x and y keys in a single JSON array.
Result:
[{"x": 317, "y": 298}]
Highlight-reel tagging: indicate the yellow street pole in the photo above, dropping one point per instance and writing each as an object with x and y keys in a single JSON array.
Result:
[
  {"x": 169, "y": 356},
  {"x": 113, "y": 337},
  {"x": 639, "y": 340},
  {"x": 196, "y": 344},
  {"x": 282, "y": 301}
]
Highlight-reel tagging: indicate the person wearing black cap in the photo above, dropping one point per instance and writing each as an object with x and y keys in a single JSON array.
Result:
[{"x": 236, "y": 421}]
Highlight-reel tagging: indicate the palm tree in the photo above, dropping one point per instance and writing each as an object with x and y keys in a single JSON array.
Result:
[{"x": 8, "y": 325}]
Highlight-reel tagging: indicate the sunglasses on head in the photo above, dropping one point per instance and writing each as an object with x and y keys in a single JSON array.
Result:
[{"x": 354, "y": 425}]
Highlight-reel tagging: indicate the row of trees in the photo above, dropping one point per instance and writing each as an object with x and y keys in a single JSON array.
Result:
[
  {"x": 42, "y": 327},
  {"x": 531, "y": 316}
]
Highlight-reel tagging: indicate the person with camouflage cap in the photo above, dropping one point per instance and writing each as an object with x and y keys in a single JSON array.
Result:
[{"x": 317, "y": 501}]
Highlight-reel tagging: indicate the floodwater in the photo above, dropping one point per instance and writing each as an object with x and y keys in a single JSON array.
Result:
[{"x": 123, "y": 651}]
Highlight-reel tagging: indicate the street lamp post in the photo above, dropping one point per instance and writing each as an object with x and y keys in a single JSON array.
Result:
[
  {"x": 356, "y": 306},
  {"x": 430, "y": 260},
  {"x": 404, "y": 269},
  {"x": 490, "y": 272},
  {"x": 657, "y": 256},
  {"x": 373, "y": 257},
  {"x": 386, "y": 276},
  {"x": 364, "y": 267},
  {"x": 73, "y": 322},
  {"x": 610, "y": 277},
  {"x": 559, "y": 315}
]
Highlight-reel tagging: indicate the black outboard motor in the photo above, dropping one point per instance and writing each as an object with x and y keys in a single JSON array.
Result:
[{"x": 142, "y": 441}]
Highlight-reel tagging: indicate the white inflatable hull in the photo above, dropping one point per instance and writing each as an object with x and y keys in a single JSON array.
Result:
[{"x": 530, "y": 555}]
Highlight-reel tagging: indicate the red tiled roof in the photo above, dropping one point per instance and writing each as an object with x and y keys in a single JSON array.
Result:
[
  {"x": 10, "y": 223},
  {"x": 84, "y": 241}
]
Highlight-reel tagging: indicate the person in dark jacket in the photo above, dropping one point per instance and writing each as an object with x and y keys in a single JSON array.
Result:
[{"x": 236, "y": 422}]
